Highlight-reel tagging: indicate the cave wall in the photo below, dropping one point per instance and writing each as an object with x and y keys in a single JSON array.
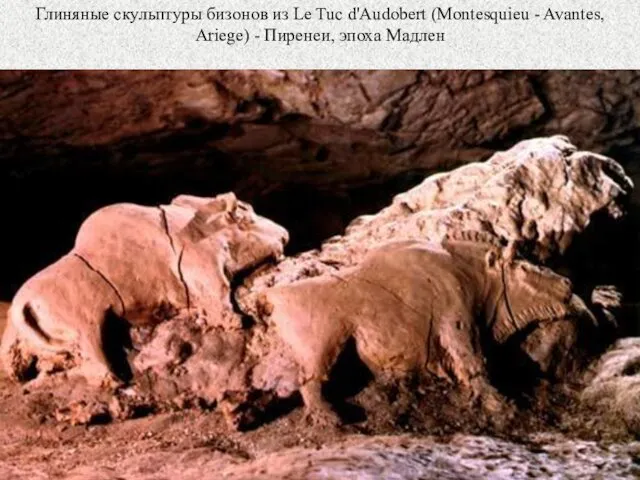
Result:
[{"x": 311, "y": 149}]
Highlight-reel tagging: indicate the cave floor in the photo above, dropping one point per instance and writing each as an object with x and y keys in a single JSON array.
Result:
[{"x": 198, "y": 444}]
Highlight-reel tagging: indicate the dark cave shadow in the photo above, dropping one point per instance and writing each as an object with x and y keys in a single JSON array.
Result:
[
  {"x": 511, "y": 371},
  {"x": 262, "y": 408},
  {"x": 117, "y": 344},
  {"x": 518, "y": 376},
  {"x": 348, "y": 377},
  {"x": 508, "y": 368},
  {"x": 606, "y": 253}
]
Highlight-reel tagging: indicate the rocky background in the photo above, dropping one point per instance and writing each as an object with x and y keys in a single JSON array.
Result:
[{"x": 312, "y": 150}]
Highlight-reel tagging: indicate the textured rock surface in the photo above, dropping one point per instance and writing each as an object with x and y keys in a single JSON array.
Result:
[
  {"x": 393, "y": 457},
  {"x": 614, "y": 387},
  {"x": 533, "y": 198},
  {"x": 384, "y": 121},
  {"x": 462, "y": 458}
]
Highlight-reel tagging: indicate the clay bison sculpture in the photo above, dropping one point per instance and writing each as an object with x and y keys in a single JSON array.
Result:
[
  {"x": 141, "y": 264},
  {"x": 417, "y": 307}
]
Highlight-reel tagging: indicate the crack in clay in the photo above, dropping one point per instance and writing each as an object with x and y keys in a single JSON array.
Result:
[
  {"x": 512, "y": 319},
  {"x": 390, "y": 292},
  {"x": 184, "y": 282},
  {"x": 104, "y": 277},
  {"x": 165, "y": 226},
  {"x": 429, "y": 339}
]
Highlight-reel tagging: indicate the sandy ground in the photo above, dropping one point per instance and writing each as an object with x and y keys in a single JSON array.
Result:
[
  {"x": 197, "y": 445},
  {"x": 191, "y": 447}
]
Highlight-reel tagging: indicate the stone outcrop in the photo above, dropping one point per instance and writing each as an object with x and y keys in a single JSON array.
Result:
[
  {"x": 331, "y": 127},
  {"x": 613, "y": 388},
  {"x": 532, "y": 199}
]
